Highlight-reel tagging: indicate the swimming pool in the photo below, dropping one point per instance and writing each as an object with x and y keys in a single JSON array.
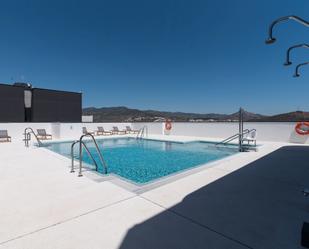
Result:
[{"x": 142, "y": 161}]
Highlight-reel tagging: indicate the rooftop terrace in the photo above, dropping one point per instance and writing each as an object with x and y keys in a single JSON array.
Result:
[{"x": 252, "y": 200}]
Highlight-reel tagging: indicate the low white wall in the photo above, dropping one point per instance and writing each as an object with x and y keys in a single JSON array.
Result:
[
  {"x": 153, "y": 128},
  {"x": 280, "y": 132},
  {"x": 272, "y": 131}
]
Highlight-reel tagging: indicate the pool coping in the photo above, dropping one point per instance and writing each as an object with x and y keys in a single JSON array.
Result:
[
  {"x": 143, "y": 187},
  {"x": 150, "y": 137}
]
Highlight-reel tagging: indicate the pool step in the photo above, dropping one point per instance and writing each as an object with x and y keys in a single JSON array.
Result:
[{"x": 249, "y": 147}]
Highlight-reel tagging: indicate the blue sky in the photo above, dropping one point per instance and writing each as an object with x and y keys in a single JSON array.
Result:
[{"x": 193, "y": 56}]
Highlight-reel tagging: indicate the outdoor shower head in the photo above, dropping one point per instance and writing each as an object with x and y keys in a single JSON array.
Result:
[
  {"x": 297, "y": 68},
  {"x": 271, "y": 39},
  {"x": 288, "y": 62},
  {"x": 296, "y": 75},
  {"x": 306, "y": 192}
]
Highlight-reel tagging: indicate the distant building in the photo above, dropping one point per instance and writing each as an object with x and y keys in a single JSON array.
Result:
[
  {"x": 22, "y": 103},
  {"x": 159, "y": 119},
  {"x": 196, "y": 120},
  {"x": 138, "y": 119}
]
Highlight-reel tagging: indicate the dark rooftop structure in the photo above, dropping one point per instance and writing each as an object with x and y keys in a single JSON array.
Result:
[{"x": 22, "y": 103}]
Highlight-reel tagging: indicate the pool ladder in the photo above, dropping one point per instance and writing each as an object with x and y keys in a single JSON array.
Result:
[
  {"x": 27, "y": 133},
  {"x": 142, "y": 132},
  {"x": 236, "y": 136},
  {"x": 81, "y": 146}
]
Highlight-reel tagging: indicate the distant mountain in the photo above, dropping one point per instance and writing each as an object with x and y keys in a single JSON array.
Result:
[
  {"x": 247, "y": 116},
  {"x": 286, "y": 117},
  {"x": 124, "y": 114}
]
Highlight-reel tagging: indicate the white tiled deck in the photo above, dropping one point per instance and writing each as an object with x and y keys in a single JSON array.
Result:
[{"x": 44, "y": 206}]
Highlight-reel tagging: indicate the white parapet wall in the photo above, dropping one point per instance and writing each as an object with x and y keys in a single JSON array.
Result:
[
  {"x": 267, "y": 131},
  {"x": 153, "y": 128},
  {"x": 275, "y": 131}
]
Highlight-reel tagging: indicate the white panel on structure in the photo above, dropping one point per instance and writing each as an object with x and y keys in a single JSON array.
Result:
[{"x": 87, "y": 119}]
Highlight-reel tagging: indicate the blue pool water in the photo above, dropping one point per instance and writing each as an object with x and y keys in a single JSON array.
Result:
[{"x": 142, "y": 161}]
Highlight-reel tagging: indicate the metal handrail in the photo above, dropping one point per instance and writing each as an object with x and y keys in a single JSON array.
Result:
[
  {"x": 141, "y": 133},
  {"x": 88, "y": 152},
  {"x": 235, "y": 136},
  {"x": 28, "y": 137},
  {"x": 226, "y": 140},
  {"x": 145, "y": 131},
  {"x": 81, "y": 153},
  {"x": 138, "y": 135}
]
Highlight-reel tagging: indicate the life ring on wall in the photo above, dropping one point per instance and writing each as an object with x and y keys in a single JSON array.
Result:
[
  {"x": 168, "y": 125},
  {"x": 299, "y": 128}
]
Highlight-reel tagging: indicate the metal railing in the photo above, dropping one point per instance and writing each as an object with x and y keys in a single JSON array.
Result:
[
  {"x": 83, "y": 145},
  {"x": 235, "y": 136},
  {"x": 231, "y": 138},
  {"x": 27, "y": 133},
  {"x": 142, "y": 132},
  {"x": 88, "y": 152}
]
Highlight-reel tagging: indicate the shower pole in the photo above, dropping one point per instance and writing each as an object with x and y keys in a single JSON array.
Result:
[{"x": 241, "y": 128}]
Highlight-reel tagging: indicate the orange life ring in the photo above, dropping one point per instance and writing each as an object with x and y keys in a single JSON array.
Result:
[
  {"x": 168, "y": 125},
  {"x": 299, "y": 128}
]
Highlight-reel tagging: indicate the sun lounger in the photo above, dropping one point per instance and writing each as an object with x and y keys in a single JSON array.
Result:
[
  {"x": 130, "y": 131},
  {"x": 85, "y": 131},
  {"x": 4, "y": 137},
  {"x": 101, "y": 131},
  {"x": 43, "y": 135},
  {"x": 117, "y": 131}
]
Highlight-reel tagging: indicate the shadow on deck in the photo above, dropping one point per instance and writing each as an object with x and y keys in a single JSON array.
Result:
[{"x": 258, "y": 206}]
